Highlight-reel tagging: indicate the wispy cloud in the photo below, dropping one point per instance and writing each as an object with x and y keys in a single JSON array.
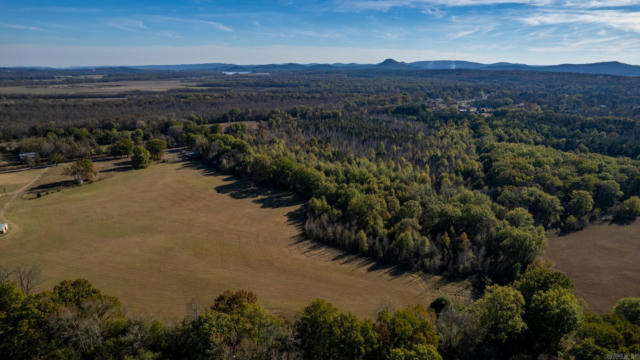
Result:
[
  {"x": 321, "y": 34},
  {"x": 464, "y": 33},
  {"x": 62, "y": 9},
  {"x": 600, "y": 3},
  {"x": 385, "y": 5},
  {"x": 21, "y": 27},
  {"x": 621, "y": 20},
  {"x": 170, "y": 35},
  {"x": 434, "y": 11},
  {"x": 127, "y": 25},
  {"x": 213, "y": 24}
]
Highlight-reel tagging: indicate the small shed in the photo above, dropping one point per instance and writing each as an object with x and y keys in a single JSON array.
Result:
[
  {"x": 27, "y": 156},
  {"x": 4, "y": 228}
]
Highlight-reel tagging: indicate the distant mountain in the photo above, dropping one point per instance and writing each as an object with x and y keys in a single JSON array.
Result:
[
  {"x": 604, "y": 68},
  {"x": 447, "y": 65},
  {"x": 610, "y": 68},
  {"x": 182, "y": 67},
  {"x": 390, "y": 64},
  {"x": 509, "y": 66}
]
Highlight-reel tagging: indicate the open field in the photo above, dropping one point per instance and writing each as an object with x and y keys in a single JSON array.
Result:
[
  {"x": 159, "y": 237},
  {"x": 97, "y": 88},
  {"x": 13, "y": 181},
  {"x": 603, "y": 261}
]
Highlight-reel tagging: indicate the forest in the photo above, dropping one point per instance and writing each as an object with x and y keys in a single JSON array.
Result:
[{"x": 455, "y": 173}]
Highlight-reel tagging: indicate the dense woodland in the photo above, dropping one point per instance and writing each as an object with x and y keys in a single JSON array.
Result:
[{"x": 455, "y": 173}]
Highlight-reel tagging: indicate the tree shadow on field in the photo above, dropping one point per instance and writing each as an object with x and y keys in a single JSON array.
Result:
[
  {"x": 52, "y": 185},
  {"x": 331, "y": 253},
  {"x": 238, "y": 188},
  {"x": 613, "y": 221},
  {"x": 121, "y": 166},
  {"x": 271, "y": 197}
]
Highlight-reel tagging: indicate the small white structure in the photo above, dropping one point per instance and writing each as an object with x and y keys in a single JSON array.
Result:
[
  {"x": 27, "y": 156},
  {"x": 4, "y": 228}
]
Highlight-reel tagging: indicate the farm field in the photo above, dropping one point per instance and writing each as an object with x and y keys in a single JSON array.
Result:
[
  {"x": 160, "y": 237},
  {"x": 98, "y": 88},
  {"x": 602, "y": 261}
]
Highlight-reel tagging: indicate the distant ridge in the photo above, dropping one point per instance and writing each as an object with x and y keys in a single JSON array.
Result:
[
  {"x": 603, "y": 68},
  {"x": 390, "y": 64}
]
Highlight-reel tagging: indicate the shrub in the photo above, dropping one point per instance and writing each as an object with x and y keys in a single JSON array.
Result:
[{"x": 140, "y": 158}]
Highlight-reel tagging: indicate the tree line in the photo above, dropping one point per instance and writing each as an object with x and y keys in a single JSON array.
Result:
[
  {"x": 444, "y": 197},
  {"x": 537, "y": 315}
]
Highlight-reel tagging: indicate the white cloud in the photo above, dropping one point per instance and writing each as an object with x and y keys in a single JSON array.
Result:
[
  {"x": 127, "y": 25},
  {"x": 321, "y": 34},
  {"x": 21, "y": 27},
  {"x": 621, "y": 20},
  {"x": 214, "y": 24},
  {"x": 464, "y": 33},
  {"x": 600, "y": 3},
  {"x": 385, "y": 5}
]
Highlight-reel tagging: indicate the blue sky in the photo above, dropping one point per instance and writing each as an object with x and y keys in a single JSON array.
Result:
[{"x": 117, "y": 32}]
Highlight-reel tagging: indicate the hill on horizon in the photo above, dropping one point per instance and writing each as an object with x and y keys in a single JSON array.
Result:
[{"x": 603, "y": 68}]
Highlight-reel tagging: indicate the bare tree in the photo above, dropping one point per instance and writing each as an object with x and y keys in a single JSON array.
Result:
[
  {"x": 5, "y": 274},
  {"x": 28, "y": 278},
  {"x": 194, "y": 309}
]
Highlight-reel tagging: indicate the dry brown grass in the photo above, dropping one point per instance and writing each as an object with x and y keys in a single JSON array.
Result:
[
  {"x": 13, "y": 181},
  {"x": 159, "y": 237},
  {"x": 603, "y": 261},
  {"x": 98, "y": 88}
]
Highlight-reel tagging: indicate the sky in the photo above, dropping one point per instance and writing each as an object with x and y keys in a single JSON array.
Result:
[{"x": 117, "y": 32}]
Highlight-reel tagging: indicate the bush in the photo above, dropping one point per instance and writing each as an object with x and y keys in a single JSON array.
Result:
[
  {"x": 440, "y": 304},
  {"x": 156, "y": 148},
  {"x": 628, "y": 308},
  {"x": 573, "y": 224},
  {"x": 141, "y": 157},
  {"x": 122, "y": 147},
  {"x": 630, "y": 208}
]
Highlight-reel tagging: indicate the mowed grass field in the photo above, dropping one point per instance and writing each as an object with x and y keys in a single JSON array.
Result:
[
  {"x": 14, "y": 181},
  {"x": 100, "y": 88},
  {"x": 160, "y": 237},
  {"x": 603, "y": 261},
  {"x": 10, "y": 182}
]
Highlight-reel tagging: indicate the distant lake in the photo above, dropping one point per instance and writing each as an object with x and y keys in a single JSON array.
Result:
[{"x": 236, "y": 72}]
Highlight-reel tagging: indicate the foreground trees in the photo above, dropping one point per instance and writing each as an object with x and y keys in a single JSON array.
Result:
[
  {"x": 325, "y": 333},
  {"x": 536, "y": 316},
  {"x": 75, "y": 320}
]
